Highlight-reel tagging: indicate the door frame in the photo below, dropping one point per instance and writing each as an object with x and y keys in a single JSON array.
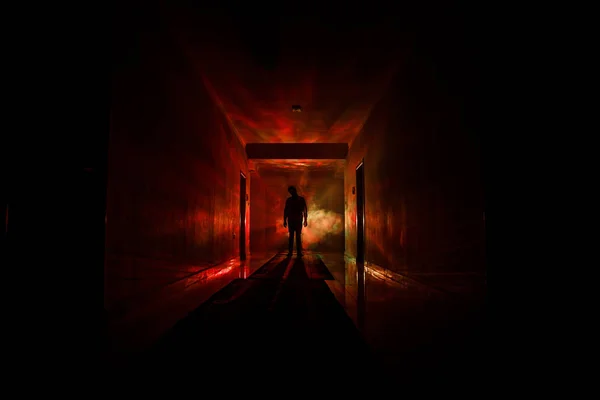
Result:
[
  {"x": 360, "y": 225},
  {"x": 243, "y": 213}
]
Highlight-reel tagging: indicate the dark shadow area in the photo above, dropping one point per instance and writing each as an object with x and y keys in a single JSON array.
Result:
[
  {"x": 448, "y": 346},
  {"x": 424, "y": 338},
  {"x": 313, "y": 330}
]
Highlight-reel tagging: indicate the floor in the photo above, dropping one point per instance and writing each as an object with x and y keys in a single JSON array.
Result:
[
  {"x": 324, "y": 315},
  {"x": 421, "y": 327},
  {"x": 284, "y": 314},
  {"x": 137, "y": 324}
]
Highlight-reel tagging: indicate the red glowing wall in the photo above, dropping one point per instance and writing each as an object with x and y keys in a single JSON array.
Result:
[
  {"x": 173, "y": 204},
  {"x": 323, "y": 190},
  {"x": 423, "y": 183}
]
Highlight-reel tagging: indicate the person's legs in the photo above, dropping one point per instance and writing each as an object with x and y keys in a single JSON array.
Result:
[
  {"x": 291, "y": 239},
  {"x": 299, "y": 239}
]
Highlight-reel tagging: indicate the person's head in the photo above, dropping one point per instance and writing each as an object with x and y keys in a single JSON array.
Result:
[{"x": 292, "y": 191}]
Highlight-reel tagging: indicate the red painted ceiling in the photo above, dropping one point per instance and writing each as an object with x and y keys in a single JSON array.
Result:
[{"x": 257, "y": 68}]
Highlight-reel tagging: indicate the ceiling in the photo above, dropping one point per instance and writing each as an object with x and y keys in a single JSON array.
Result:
[
  {"x": 298, "y": 164},
  {"x": 258, "y": 68},
  {"x": 307, "y": 168}
]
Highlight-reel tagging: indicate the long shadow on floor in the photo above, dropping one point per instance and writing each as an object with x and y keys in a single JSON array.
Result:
[{"x": 291, "y": 324}]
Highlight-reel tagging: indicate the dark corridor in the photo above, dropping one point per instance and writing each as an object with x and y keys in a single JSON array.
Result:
[{"x": 377, "y": 123}]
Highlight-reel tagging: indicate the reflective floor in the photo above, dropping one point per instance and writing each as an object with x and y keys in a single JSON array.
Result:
[
  {"x": 324, "y": 314},
  {"x": 136, "y": 324},
  {"x": 284, "y": 313}
]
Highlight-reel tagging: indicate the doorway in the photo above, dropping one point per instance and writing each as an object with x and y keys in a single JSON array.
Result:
[
  {"x": 243, "y": 199},
  {"x": 360, "y": 212}
]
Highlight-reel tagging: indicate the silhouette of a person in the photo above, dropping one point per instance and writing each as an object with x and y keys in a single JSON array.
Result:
[{"x": 293, "y": 214}]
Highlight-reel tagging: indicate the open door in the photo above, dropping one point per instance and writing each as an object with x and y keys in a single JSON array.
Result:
[
  {"x": 242, "y": 216},
  {"x": 360, "y": 212}
]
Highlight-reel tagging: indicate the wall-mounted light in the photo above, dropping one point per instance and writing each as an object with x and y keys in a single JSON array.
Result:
[{"x": 296, "y": 108}]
